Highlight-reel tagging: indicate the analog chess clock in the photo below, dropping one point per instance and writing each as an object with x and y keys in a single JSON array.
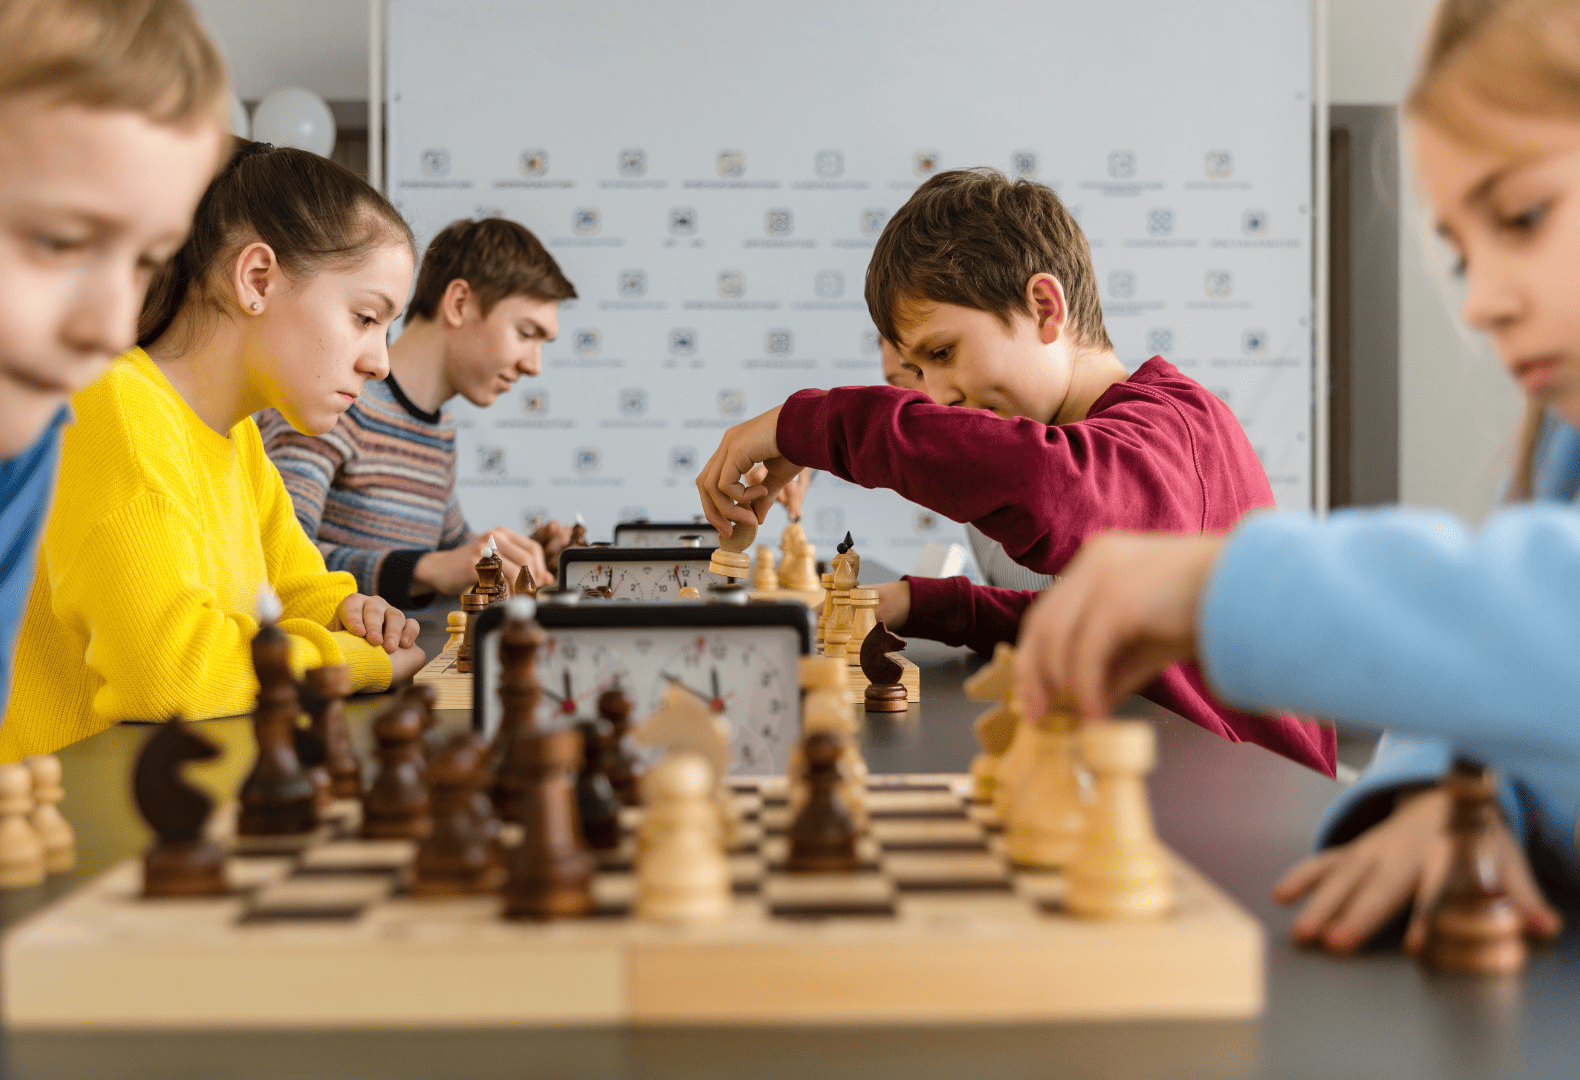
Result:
[
  {"x": 742, "y": 659},
  {"x": 639, "y": 573},
  {"x": 665, "y": 534}
]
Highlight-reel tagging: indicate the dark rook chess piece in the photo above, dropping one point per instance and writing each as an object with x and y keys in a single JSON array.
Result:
[
  {"x": 550, "y": 870},
  {"x": 1472, "y": 926},
  {"x": 324, "y": 692},
  {"x": 396, "y": 803},
  {"x": 277, "y": 798},
  {"x": 460, "y": 855},
  {"x": 619, "y": 764},
  {"x": 596, "y": 802},
  {"x": 884, "y": 692},
  {"x": 180, "y": 862},
  {"x": 518, "y": 696},
  {"x": 823, "y": 834}
]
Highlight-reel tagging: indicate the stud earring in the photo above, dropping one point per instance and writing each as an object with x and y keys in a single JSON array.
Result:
[{"x": 256, "y": 305}]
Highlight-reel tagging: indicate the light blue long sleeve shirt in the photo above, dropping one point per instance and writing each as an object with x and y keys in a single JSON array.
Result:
[{"x": 1408, "y": 620}]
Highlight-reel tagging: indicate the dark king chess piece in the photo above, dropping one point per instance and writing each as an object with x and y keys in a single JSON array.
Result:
[
  {"x": 823, "y": 834},
  {"x": 1472, "y": 926},
  {"x": 884, "y": 692},
  {"x": 180, "y": 862},
  {"x": 277, "y": 798},
  {"x": 324, "y": 693},
  {"x": 550, "y": 870},
  {"x": 460, "y": 855},
  {"x": 619, "y": 764},
  {"x": 396, "y": 805},
  {"x": 596, "y": 801}
]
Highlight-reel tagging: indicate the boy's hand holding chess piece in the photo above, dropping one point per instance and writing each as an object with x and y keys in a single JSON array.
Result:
[
  {"x": 730, "y": 491},
  {"x": 452, "y": 572}
]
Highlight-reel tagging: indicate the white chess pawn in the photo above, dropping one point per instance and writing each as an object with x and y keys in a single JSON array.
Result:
[
  {"x": 682, "y": 875},
  {"x": 54, "y": 831},
  {"x": 21, "y": 851},
  {"x": 1046, "y": 824},
  {"x": 1120, "y": 869}
]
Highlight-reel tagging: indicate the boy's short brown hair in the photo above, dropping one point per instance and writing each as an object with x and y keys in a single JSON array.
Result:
[
  {"x": 496, "y": 257},
  {"x": 150, "y": 56},
  {"x": 974, "y": 238}
]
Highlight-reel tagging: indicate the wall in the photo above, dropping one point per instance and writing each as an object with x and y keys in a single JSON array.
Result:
[{"x": 1458, "y": 408}]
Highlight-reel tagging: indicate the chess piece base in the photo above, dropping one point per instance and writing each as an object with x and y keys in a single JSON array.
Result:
[
  {"x": 1486, "y": 940},
  {"x": 174, "y": 871},
  {"x": 890, "y": 698},
  {"x": 1108, "y": 893},
  {"x": 730, "y": 564}
]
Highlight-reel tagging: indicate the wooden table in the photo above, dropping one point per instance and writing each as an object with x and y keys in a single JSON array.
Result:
[{"x": 1237, "y": 812}]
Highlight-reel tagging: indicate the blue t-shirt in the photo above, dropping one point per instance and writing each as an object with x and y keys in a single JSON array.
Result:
[{"x": 26, "y": 483}]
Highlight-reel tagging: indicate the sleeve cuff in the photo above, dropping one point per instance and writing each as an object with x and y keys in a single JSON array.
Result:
[
  {"x": 940, "y": 609},
  {"x": 370, "y": 664},
  {"x": 395, "y": 579},
  {"x": 802, "y": 431}
]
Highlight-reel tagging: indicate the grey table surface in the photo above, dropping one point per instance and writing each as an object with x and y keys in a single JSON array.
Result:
[{"x": 1239, "y": 813}]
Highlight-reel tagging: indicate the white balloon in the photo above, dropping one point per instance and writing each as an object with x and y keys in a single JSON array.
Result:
[
  {"x": 295, "y": 117},
  {"x": 240, "y": 122}
]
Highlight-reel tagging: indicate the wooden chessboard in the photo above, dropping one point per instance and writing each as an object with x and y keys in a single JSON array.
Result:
[{"x": 939, "y": 928}]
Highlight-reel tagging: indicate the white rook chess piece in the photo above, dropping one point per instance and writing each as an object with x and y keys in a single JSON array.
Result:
[
  {"x": 1120, "y": 869},
  {"x": 54, "y": 831},
  {"x": 682, "y": 875},
  {"x": 21, "y": 851}
]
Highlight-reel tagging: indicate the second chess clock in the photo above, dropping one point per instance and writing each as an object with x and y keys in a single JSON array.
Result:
[{"x": 744, "y": 659}]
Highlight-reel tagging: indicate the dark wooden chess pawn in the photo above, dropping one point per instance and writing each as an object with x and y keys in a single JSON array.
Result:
[
  {"x": 578, "y": 534},
  {"x": 460, "y": 856},
  {"x": 823, "y": 833},
  {"x": 550, "y": 870},
  {"x": 472, "y": 604},
  {"x": 596, "y": 802},
  {"x": 396, "y": 804},
  {"x": 180, "y": 862},
  {"x": 619, "y": 764},
  {"x": 884, "y": 692},
  {"x": 1472, "y": 925},
  {"x": 278, "y": 796},
  {"x": 324, "y": 693},
  {"x": 518, "y": 696}
]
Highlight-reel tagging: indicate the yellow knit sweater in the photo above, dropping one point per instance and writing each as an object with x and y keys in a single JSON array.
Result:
[{"x": 162, "y": 532}]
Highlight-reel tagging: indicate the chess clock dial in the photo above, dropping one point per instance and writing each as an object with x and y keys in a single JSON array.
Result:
[
  {"x": 647, "y": 574},
  {"x": 744, "y": 659},
  {"x": 664, "y": 534}
]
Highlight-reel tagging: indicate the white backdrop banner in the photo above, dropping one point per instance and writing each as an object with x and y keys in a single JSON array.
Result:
[{"x": 713, "y": 176}]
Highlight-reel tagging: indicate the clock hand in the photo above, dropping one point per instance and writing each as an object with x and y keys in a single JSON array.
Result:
[{"x": 674, "y": 681}]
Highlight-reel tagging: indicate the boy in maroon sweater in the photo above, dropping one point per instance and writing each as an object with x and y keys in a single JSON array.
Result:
[{"x": 1022, "y": 422}]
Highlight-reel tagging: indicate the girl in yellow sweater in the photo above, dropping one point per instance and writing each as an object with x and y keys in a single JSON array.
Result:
[{"x": 169, "y": 516}]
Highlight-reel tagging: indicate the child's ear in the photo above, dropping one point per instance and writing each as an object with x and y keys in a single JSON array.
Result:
[
  {"x": 1045, "y": 297},
  {"x": 452, "y": 308},
  {"x": 256, "y": 270}
]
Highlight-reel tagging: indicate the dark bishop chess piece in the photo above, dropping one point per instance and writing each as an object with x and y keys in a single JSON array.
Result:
[
  {"x": 1472, "y": 926},
  {"x": 550, "y": 870},
  {"x": 578, "y": 533},
  {"x": 324, "y": 693},
  {"x": 596, "y": 801},
  {"x": 525, "y": 585},
  {"x": 460, "y": 856},
  {"x": 619, "y": 764},
  {"x": 278, "y": 796},
  {"x": 396, "y": 803},
  {"x": 884, "y": 692},
  {"x": 180, "y": 862},
  {"x": 518, "y": 695},
  {"x": 823, "y": 834}
]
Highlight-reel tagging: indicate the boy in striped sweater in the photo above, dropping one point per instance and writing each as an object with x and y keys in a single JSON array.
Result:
[{"x": 377, "y": 493}]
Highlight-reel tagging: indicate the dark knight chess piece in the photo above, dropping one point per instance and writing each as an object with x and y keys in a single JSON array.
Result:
[
  {"x": 823, "y": 834},
  {"x": 596, "y": 802},
  {"x": 884, "y": 692},
  {"x": 1472, "y": 926},
  {"x": 619, "y": 764},
  {"x": 278, "y": 796},
  {"x": 180, "y": 862}
]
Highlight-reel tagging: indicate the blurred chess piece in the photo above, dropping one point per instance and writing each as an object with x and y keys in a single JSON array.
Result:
[
  {"x": 491, "y": 573},
  {"x": 1472, "y": 926},
  {"x": 455, "y": 626},
  {"x": 472, "y": 605},
  {"x": 690, "y": 592},
  {"x": 181, "y": 861},
  {"x": 764, "y": 577},
  {"x": 995, "y": 729},
  {"x": 324, "y": 693},
  {"x": 279, "y": 797},
  {"x": 60, "y": 841},
  {"x": 525, "y": 585},
  {"x": 729, "y": 559},
  {"x": 21, "y": 849},
  {"x": 619, "y": 764},
  {"x": 823, "y": 832},
  {"x": 826, "y": 611},
  {"x": 682, "y": 875},
  {"x": 1120, "y": 869},
  {"x": 596, "y": 802},
  {"x": 459, "y": 856},
  {"x": 396, "y": 804},
  {"x": 550, "y": 869},
  {"x": 824, "y": 710}
]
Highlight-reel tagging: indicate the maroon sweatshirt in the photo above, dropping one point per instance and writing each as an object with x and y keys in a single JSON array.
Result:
[{"x": 1155, "y": 453}]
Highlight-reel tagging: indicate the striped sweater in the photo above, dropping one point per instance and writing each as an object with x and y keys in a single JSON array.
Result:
[{"x": 376, "y": 493}]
